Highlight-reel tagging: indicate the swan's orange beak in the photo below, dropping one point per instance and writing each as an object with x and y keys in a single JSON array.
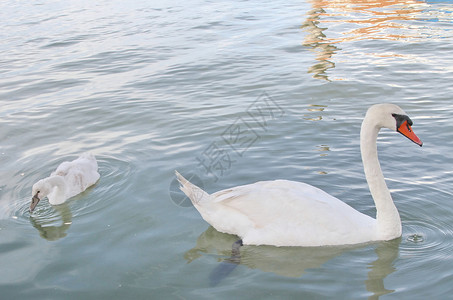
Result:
[{"x": 406, "y": 130}]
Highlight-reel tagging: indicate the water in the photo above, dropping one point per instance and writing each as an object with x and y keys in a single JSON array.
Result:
[{"x": 150, "y": 88}]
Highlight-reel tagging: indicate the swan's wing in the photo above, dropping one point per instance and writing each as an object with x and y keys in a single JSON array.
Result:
[
  {"x": 270, "y": 201},
  {"x": 79, "y": 179},
  {"x": 63, "y": 169},
  {"x": 269, "y": 210},
  {"x": 85, "y": 163},
  {"x": 78, "y": 174},
  {"x": 84, "y": 172}
]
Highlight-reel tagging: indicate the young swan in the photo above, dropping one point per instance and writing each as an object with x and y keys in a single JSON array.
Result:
[
  {"x": 68, "y": 180},
  {"x": 289, "y": 213}
]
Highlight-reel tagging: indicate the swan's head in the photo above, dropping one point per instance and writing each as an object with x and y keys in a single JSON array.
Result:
[
  {"x": 39, "y": 190},
  {"x": 391, "y": 116}
]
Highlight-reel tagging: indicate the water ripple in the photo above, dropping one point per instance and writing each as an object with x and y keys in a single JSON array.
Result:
[
  {"x": 114, "y": 179},
  {"x": 149, "y": 89},
  {"x": 423, "y": 238}
]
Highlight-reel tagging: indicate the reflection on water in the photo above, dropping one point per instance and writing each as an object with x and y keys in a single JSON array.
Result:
[
  {"x": 323, "y": 148},
  {"x": 53, "y": 232},
  {"x": 371, "y": 19},
  {"x": 314, "y": 109},
  {"x": 315, "y": 41},
  {"x": 291, "y": 261},
  {"x": 383, "y": 266},
  {"x": 356, "y": 20}
]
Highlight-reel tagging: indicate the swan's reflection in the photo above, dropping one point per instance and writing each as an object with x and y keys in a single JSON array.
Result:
[
  {"x": 290, "y": 261},
  {"x": 53, "y": 233},
  {"x": 383, "y": 266}
]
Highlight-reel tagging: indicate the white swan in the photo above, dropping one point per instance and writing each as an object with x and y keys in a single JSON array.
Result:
[
  {"x": 68, "y": 180},
  {"x": 288, "y": 213}
]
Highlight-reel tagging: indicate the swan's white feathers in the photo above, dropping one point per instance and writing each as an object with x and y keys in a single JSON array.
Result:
[
  {"x": 282, "y": 212},
  {"x": 192, "y": 191},
  {"x": 78, "y": 174},
  {"x": 69, "y": 179},
  {"x": 288, "y": 213}
]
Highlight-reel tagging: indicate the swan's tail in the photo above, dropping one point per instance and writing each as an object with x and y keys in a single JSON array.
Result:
[{"x": 195, "y": 194}]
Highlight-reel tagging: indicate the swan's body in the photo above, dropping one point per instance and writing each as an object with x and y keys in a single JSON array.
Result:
[
  {"x": 68, "y": 180},
  {"x": 288, "y": 213}
]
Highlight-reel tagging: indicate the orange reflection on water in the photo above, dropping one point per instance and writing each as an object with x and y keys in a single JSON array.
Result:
[
  {"x": 356, "y": 20},
  {"x": 371, "y": 15}
]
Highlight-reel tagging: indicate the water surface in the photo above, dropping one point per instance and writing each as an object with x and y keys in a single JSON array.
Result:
[{"x": 150, "y": 88}]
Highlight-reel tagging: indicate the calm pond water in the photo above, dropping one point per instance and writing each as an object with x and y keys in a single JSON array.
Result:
[{"x": 150, "y": 88}]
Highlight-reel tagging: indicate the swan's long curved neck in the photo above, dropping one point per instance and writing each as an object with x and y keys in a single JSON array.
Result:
[
  {"x": 387, "y": 216},
  {"x": 58, "y": 192}
]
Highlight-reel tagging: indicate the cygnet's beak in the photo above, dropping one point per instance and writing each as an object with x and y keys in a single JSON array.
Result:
[{"x": 34, "y": 202}]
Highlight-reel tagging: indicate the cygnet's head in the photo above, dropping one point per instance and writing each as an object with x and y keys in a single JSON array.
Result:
[{"x": 39, "y": 190}]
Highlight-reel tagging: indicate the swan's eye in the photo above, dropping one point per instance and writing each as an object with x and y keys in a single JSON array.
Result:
[
  {"x": 400, "y": 119},
  {"x": 38, "y": 192}
]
